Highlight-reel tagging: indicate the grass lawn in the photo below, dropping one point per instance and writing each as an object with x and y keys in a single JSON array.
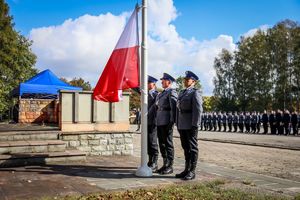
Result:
[{"x": 210, "y": 190}]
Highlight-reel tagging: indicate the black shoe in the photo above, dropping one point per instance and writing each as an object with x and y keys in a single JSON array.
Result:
[
  {"x": 190, "y": 176},
  {"x": 167, "y": 170},
  {"x": 163, "y": 167},
  {"x": 153, "y": 164},
  {"x": 184, "y": 172},
  {"x": 168, "y": 167}
]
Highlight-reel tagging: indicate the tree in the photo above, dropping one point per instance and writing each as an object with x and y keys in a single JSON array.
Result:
[
  {"x": 79, "y": 82},
  {"x": 17, "y": 60},
  {"x": 263, "y": 72},
  {"x": 224, "y": 80}
]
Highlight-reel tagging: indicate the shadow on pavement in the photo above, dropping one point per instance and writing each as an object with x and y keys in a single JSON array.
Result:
[{"x": 85, "y": 171}]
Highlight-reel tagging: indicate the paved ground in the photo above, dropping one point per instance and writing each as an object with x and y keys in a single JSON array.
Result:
[{"x": 269, "y": 169}]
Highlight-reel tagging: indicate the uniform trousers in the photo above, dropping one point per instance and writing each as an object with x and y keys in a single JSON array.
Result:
[
  {"x": 189, "y": 144},
  {"x": 265, "y": 125},
  {"x": 152, "y": 140},
  {"x": 165, "y": 140}
]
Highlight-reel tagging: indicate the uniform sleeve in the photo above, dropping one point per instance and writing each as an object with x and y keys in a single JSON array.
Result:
[
  {"x": 173, "y": 101},
  {"x": 196, "y": 108}
]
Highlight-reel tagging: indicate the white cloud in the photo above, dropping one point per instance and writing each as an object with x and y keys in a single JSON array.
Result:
[
  {"x": 252, "y": 32},
  {"x": 81, "y": 47}
]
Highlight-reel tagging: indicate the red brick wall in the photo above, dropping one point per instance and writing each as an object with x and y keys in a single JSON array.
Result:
[{"x": 38, "y": 110}]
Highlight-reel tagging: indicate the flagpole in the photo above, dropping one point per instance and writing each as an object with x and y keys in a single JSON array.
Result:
[{"x": 144, "y": 170}]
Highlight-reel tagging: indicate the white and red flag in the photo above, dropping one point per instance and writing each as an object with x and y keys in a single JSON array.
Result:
[{"x": 122, "y": 69}]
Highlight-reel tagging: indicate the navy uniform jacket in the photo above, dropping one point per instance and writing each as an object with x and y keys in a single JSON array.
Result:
[
  {"x": 272, "y": 119},
  {"x": 151, "y": 107},
  {"x": 166, "y": 107},
  {"x": 224, "y": 119},
  {"x": 294, "y": 119},
  {"x": 189, "y": 109},
  {"x": 235, "y": 119},
  {"x": 209, "y": 118},
  {"x": 253, "y": 119},
  {"x": 230, "y": 119},
  {"x": 219, "y": 118},
  {"x": 265, "y": 118},
  {"x": 247, "y": 119},
  {"x": 278, "y": 118},
  {"x": 214, "y": 118},
  {"x": 286, "y": 118},
  {"x": 241, "y": 119}
]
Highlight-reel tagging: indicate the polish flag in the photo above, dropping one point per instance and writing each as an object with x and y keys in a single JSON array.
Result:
[{"x": 122, "y": 69}]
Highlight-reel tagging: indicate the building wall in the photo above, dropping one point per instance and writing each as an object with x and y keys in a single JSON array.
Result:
[{"x": 38, "y": 111}]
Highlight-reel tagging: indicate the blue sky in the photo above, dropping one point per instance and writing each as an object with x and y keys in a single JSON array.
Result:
[
  {"x": 74, "y": 38},
  {"x": 202, "y": 19}
]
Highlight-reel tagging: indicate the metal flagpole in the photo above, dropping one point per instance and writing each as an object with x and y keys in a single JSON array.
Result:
[{"x": 144, "y": 170}]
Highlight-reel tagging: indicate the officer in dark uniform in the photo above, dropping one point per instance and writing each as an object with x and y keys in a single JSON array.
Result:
[
  {"x": 202, "y": 122},
  {"x": 253, "y": 122},
  {"x": 279, "y": 122},
  {"x": 224, "y": 121},
  {"x": 265, "y": 120},
  {"x": 214, "y": 121},
  {"x": 220, "y": 117},
  {"x": 165, "y": 119},
  {"x": 241, "y": 122},
  {"x": 294, "y": 121},
  {"x": 205, "y": 121},
  {"x": 272, "y": 122},
  {"x": 235, "y": 120},
  {"x": 229, "y": 120},
  {"x": 258, "y": 116},
  {"x": 209, "y": 121},
  {"x": 189, "y": 108},
  {"x": 286, "y": 122},
  {"x": 247, "y": 122},
  {"x": 152, "y": 132}
]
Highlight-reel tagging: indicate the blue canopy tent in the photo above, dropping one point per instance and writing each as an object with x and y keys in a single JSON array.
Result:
[{"x": 44, "y": 83}]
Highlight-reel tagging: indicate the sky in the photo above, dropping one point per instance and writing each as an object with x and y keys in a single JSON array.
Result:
[{"x": 74, "y": 38}]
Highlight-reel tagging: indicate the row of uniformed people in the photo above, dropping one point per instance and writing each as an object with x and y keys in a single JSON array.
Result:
[
  {"x": 278, "y": 122},
  {"x": 165, "y": 109}
]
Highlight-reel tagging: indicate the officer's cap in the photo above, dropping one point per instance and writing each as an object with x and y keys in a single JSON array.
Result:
[
  {"x": 167, "y": 77},
  {"x": 189, "y": 74},
  {"x": 151, "y": 79}
]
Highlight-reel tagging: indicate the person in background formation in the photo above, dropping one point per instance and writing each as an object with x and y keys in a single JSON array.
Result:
[
  {"x": 189, "y": 109},
  {"x": 209, "y": 121},
  {"x": 258, "y": 123},
  {"x": 286, "y": 122},
  {"x": 224, "y": 121},
  {"x": 272, "y": 122},
  {"x": 294, "y": 121},
  {"x": 235, "y": 121},
  {"x": 265, "y": 120},
  {"x": 165, "y": 119},
  {"x": 241, "y": 122},
  {"x": 279, "y": 122},
  {"x": 229, "y": 120},
  {"x": 253, "y": 121},
  {"x": 219, "y": 121},
  {"x": 247, "y": 122},
  {"x": 214, "y": 121},
  {"x": 152, "y": 132},
  {"x": 202, "y": 122},
  {"x": 205, "y": 122}
]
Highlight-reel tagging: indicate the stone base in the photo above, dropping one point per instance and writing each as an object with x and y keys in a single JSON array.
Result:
[{"x": 100, "y": 143}]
